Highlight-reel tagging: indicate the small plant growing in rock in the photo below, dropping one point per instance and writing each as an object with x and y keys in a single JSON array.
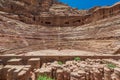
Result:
[
  {"x": 111, "y": 66},
  {"x": 60, "y": 62},
  {"x": 77, "y": 59},
  {"x": 44, "y": 78}
]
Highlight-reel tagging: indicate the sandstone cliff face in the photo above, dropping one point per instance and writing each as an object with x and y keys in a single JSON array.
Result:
[
  {"x": 25, "y": 7},
  {"x": 17, "y": 37},
  {"x": 51, "y": 13},
  {"x": 101, "y": 36}
]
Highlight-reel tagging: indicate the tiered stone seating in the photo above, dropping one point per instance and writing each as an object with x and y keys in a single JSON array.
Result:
[
  {"x": 101, "y": 36},
  {"x": 94, "y": 31}
]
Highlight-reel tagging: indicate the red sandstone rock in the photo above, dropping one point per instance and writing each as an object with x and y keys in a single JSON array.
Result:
[
  {"x": 34, "y": 62},
  {"x": 32, "y": 25},
  {"x": 107, "y": 74},
  {"x": 96, "y": 71}
]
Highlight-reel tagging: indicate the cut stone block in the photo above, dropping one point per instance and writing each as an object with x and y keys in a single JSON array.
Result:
[
  {"x": 34, "y": 62},
  {"x": 14, "y": 62},
  {"x": 107, "y": 74},
  {"x": 59, "y": 74}
]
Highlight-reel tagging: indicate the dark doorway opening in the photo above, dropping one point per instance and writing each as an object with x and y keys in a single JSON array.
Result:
[
  {"x": 66, "y": 22},
  {"x": 47, "y": 22}
]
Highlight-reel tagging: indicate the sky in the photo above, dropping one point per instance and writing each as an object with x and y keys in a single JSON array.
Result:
[{"x": 87, "y": 4}]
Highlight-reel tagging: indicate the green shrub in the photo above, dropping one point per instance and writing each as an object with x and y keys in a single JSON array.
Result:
[
  {"x": 60, "y": 62},
  {"x": 77, "y": 59},
  {"x": 44, "y": 78},
  {"x": 111, "y": 66}
]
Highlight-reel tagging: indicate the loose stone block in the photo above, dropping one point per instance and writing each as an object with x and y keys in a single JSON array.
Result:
[
  {"x": 34, "y": 62},
  {"x": 45, "y": 72},
  {"x": 66, "y": 73},
  {"x": 97, "y": 74},
  {"x": 4, "y": 73},
  {"x": 10, "y": 74},
  {"x": 59, "y": 75},
  {"x": 82, "y": 74},
  {"x": 22, "y": 75},
  {"x": 14, "y": 62},
  {"x": 75, "y": 76},
  {"x": 107, "y": 74},
  {"x": 116, "y": 75}
]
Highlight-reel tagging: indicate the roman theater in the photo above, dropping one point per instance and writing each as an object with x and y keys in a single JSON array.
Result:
[{"x": 47, "y": 38}]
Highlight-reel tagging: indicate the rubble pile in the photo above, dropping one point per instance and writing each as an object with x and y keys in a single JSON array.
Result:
[{"x": 90, "y": 69}]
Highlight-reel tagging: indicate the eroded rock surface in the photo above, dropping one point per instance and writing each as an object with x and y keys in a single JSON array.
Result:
[
  {"x": 18, "y": 36},
  {"x": 81, "y": 70}
]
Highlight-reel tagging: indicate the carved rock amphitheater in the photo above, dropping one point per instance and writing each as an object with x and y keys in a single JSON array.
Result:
[{"x": 35, "y": 34}]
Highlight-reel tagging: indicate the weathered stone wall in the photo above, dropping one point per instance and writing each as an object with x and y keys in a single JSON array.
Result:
[
  {"x": 101, "y": 36},
  {"x": 25, "y": 7},
  {"x": 30, "y": 12},
  {"x": 91, "y": 16},
  {"x": 98, "y": 36},
  {"x": 80, "y": 70},
  {"x": 86, "y": 69},
  {"x": 45, "y": 5}
]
